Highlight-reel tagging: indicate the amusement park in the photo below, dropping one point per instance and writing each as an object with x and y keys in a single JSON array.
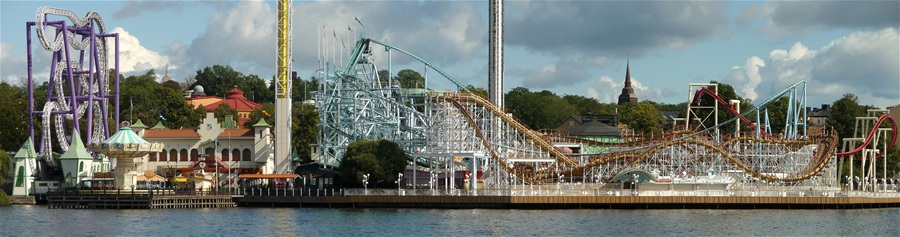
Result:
[{"x": 456, "y": 146}]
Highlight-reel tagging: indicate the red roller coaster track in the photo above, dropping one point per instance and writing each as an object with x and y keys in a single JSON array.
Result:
[
  {"x": 709, "y": 92},
  {"x": 872, "y": 134}
]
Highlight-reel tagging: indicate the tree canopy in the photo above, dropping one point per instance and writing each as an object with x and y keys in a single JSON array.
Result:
[
  {"x": 14, "y": 122},
  {"x": 409, "y": 78},
  {"x": 643, "y": 118},
  {"x": 843, "y": 117},
  {"x": 5, "y": 163},
  {"x": 144, "y": 98},
  {"x": 218, "y": 79},
  {"x": 304, "y": 129},
  {"x": 381, "y": 159}
]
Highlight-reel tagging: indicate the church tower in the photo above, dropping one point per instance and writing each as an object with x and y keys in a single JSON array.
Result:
[{"x": 627, "y": 95}]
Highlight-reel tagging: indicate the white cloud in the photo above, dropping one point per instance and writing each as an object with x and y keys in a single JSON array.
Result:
[
  {"x": 745, "y": 79},
  {"x": 865, "y": 63},
  {"x": 14, "y": 68},
  {"x": 134, "y": 57},
  {"x": 12, "y": 65},
  {"x": 242, "y": 36}
]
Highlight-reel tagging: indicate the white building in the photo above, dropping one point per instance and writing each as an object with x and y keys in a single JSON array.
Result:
[{"x": 232, "y": 151}]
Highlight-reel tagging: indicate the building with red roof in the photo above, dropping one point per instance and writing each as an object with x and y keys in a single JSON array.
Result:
[
  {"x": 233, "y": 151},
  {"x": 236, "y": 100}
]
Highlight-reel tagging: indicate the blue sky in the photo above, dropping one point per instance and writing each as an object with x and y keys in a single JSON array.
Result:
[{"x": 568, "y": 47}]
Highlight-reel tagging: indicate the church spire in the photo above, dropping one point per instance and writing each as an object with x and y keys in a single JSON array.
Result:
[{"x": 627, "y": 95}]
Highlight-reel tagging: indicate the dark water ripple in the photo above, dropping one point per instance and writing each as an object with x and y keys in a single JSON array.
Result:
[{"x": 41, "y": 221}]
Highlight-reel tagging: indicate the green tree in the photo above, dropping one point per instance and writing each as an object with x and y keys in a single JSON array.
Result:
[
  {"x": 643, "y": 118},
  {"x": 217, "y": 80},
  {"x": 478, "y": 91},
  {"x": 381, "y": 159},
  {"x": 225, "y": 110},
  {"x": 778, "y": 114},
  {"x": 541, "y": 110},
  {"x": 172, "y": 85},
  {"x": 727, "y": 93},
  {"x": 5, "y": 163},
  {"x": 14, "y": 122},
  {"x": 144, "y": 98},
  {"x": 266, "y": 112},
  {"x": 584, "y": 104},
  {"x": 843, "y": 118},
  {"x": 304, "y": 129},
  {"x": 410, "y": 79},
  {"x": 384, "y": 76}
]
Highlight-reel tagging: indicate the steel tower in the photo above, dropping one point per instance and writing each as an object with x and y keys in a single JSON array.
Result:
[
  {"x": 495, "y": 79},
  {"x": 283, "y": 91}
]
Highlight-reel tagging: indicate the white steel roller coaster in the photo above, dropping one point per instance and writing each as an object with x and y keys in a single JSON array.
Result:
[{"x": 453, "y": 130}]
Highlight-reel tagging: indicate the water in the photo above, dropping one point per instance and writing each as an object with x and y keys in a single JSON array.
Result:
[{"x": 41, "y": 221}]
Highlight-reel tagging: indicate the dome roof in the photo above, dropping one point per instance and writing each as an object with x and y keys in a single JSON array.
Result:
[
  {"x": 198, "y": 88},
  {"x": 235, "y": 93}
]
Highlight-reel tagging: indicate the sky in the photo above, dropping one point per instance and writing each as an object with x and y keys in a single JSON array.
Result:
[{"x": 566, "y": 47}]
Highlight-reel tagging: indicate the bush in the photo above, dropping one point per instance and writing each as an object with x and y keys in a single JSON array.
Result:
[{"x": 4, "y": 200}]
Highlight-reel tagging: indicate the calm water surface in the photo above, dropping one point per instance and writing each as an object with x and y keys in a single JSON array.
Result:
[{"x": 41, "y": 221}]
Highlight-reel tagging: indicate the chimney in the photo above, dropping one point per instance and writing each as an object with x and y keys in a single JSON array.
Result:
[{"x": 825, "y": 106}]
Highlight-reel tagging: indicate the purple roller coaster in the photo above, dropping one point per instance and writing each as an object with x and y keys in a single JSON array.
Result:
[{"x": 78, "y": 91}]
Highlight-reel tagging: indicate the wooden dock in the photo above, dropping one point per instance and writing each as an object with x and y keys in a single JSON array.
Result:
[{"x": 119, "y": 199}]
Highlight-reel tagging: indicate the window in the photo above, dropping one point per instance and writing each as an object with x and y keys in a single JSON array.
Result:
[
  {"x": 152, "y": 156},
  {"x": 195, "y": 155},
  {"x": 225, "y": 154},
  {"x": 246, "y": 154},
  {"x": 163, "y": 155},
  {"x": 236, "y": 155},
  {"x": 173, "y": 155},
  {"x": 571, "y": 123},
  {"x": 81, "y": 166},
  {"x": 43, "y": 185},
  {"x": 20, "y": 177},
  {"x": 209, "y": 151},
  {"x": 184, "y": 155}
]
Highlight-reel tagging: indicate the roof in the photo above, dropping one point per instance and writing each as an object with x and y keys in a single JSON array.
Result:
[
  {"x": 138, "y": 124},
  {"x": 159, "y": 125},
  {"x": 821, "y": 112},
  {"x": 261, "y": 123},
  {"x": 27, "y": 150},
  {"x": 171, "y": 133},
  {"x": 125, "y": 136},
  {"x": 269, "y": 176},
  {"x": 236, "y": 132},
  {"x": 235, "y": 98},
  {"x": 593, "y": 128},
  {"x": 76, "y": 150}
]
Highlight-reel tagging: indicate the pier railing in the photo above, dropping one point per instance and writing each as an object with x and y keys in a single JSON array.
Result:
[{"x": 297, "y": 192}]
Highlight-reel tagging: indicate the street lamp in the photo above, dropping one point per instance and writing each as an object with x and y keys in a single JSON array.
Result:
[
  {"x": 399, "y": 177},
  {"x": 366, "y": 183}
]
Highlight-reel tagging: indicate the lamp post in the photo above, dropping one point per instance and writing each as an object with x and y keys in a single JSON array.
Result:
[
  {"x": 399, "y": 177},
  {"x": 366, "y": 184}
]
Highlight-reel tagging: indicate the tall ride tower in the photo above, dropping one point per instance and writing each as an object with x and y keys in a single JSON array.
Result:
[
  {"x": 495, "y": 77},
  {"x": 282, "y": 159}
]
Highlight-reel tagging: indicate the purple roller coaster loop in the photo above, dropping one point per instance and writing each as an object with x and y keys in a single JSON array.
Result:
[{"x": 86, "y": 32}]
